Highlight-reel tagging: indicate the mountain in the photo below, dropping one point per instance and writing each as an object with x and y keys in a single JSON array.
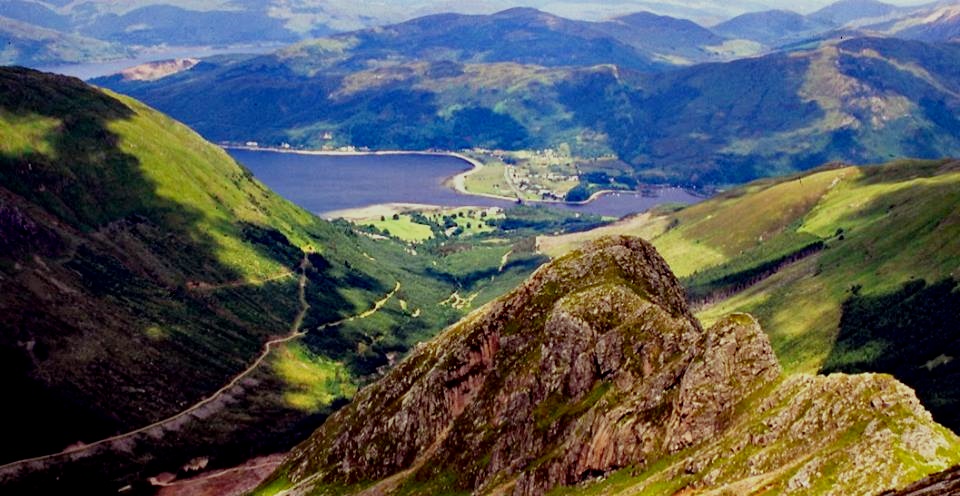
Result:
[
  {"x": 773, "y": 28},
  {"x": 640, "y": 40},
  {"x": 175, "y": 307},
  {"x": 849, "y": 269},
  {"x": 678, "y": 41},
  {"x": 521, "y": 35},
  {"x": 306, "y": 16},
  {"x": 28, "y": 44},
  {"x": 594, "y": 376},
  {"x": 167, "y": 24},
  {"x": 229, "y": 22},
  {"x": 847, "y": 11},
  {"x": 939, "y": 23},
  {"x": 34, "y": 13},
  {"x": 862, "y": 100}
]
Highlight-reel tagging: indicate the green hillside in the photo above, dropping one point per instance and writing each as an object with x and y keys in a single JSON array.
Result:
[
  {"x": 142, "y": 269},
  {"x": 848, "y": 268}
]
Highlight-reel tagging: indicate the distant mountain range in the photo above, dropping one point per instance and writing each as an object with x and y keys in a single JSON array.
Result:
[
  {"x": 862, "y": 100},
  {"x": 773, "y": 27},
  {"x": 671, "y": 40}
]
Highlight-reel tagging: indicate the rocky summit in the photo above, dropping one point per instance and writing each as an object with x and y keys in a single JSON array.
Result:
[{"x": 594, "y": 374}]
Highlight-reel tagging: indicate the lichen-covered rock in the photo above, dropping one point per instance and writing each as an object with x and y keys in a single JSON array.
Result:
[{"x": 596, "y": 364}]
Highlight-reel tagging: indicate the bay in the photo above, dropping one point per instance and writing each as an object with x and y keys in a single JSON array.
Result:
[{"x": 328, "y": 183}]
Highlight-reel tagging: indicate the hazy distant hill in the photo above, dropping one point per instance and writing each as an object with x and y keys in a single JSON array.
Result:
[
  {"x": 34, "y": 13},
  {"x": 938, "y": 23},
  {"x": 516, "y": 35},
  {"x": 165, "y": 24},
  {"x": 26, "y": 44},
  {"x": 596, "y": 30},
  {"x": 773, "y": 27},
  {"x": 847, "y": 11},
  {"x": 678, "y": 41}
]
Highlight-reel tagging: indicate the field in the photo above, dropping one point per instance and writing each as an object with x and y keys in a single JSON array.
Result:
[
  {"x": 489, "y": 179},
  {"x": 400, "y": 226}
]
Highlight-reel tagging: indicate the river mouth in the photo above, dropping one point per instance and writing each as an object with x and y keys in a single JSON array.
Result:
[{"x": 331, "y": 183}]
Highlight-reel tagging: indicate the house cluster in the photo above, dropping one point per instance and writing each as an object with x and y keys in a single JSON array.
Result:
[{"x": 532, "y": 183}]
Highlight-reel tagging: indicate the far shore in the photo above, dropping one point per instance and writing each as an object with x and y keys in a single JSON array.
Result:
[{"x": 457, "y": 182}]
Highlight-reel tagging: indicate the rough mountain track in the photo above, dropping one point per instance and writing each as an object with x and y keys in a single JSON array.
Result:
[{"x": 82, "y": 450}]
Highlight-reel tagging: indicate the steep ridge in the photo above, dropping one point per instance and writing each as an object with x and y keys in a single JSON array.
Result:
[
  {"x": 596, "y": 367},
  {"x": 849, "y": 269}
]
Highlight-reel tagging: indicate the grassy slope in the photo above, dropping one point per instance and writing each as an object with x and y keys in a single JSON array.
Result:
[
  {"x": 133, "y": 250},
  {"x": 899, "y": 223}
]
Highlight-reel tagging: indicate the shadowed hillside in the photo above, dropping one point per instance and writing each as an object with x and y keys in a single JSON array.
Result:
[{"x": 142, "y": 270}]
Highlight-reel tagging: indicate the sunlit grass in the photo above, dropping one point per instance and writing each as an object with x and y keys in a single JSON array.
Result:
[
  {"x": 312, "y": 381},
  {"x": 25, "y": 134},
  {"x": 205, "y": 180},
  {"x": 403, "y": 227},
  {"x": 882, "y": 226},
  {"x": 489, "y": 180}
]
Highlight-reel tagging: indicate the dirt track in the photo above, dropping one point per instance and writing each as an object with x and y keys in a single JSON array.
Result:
[{"x": 176, "y": 420}]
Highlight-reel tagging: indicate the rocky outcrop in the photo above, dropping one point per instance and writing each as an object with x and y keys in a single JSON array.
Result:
[
  {"x": 153, "y": 71},
  {"x": 596, "y": 365},
  {"x": 946, "y": 483}
]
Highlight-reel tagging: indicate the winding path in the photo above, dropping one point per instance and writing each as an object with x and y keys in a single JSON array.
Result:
[{"x": 295, "y": 333}]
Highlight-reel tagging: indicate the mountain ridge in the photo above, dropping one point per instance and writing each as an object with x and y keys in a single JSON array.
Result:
[
  {"x": 595, "y": 364},
  {"x": 859, "y": 258}
]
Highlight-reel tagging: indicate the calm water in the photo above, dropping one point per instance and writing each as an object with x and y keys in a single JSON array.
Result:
[{"x": 323, "y": 183}]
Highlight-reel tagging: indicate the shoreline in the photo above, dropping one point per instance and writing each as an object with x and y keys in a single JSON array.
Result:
[
  {"x": 388, "y": 209},
  {"x": 457, "y": 182}
]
